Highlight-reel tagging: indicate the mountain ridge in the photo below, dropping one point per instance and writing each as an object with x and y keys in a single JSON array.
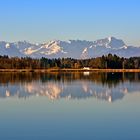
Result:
[{"x": 71, "y": 48}]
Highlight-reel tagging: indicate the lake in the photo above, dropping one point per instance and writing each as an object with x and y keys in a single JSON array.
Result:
[{"x": 70, "y": 106}]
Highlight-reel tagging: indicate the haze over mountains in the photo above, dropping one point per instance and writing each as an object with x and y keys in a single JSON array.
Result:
[{"x": 72, "y": 48}]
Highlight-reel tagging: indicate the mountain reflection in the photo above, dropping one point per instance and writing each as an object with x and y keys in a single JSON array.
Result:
[{"x": 104, "y": 86}]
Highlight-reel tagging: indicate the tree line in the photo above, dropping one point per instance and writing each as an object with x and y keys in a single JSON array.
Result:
[{"x": 105, "y": 62}]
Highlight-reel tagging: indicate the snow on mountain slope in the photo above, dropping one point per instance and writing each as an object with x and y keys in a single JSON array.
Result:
[
  {"x": 111, "y": 45},
  {"x": 72, "y": 48},
  {"x": 110, "y": 42},
  {"x": 9, "y": 49}
]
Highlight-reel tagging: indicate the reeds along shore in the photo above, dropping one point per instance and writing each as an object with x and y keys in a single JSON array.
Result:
[{"x": 69, "y": 70}]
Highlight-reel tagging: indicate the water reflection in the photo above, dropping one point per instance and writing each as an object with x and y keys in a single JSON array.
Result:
[{"x": 105, "y": 86}]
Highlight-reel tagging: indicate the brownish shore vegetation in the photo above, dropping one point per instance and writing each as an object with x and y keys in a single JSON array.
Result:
[{"x": 108, "y": 63}]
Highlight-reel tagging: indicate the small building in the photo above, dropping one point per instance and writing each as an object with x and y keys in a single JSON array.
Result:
[{"x": 86, "y": 68}]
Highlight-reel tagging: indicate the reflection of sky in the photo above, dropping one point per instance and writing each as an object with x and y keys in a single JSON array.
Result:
[{"x": 41, "y": 118}]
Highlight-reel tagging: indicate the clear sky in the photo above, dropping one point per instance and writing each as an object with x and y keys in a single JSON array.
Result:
[{"x": 43, "y": 20}]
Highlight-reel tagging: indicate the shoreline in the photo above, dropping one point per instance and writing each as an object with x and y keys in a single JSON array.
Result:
[{"x": 69, "y": 70}]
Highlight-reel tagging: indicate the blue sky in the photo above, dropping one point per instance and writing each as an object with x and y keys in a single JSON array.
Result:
[{"x": 43, "y": 20}]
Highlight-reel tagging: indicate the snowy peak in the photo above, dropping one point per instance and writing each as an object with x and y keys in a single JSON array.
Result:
[
  {"x": 7, "y": 46},
  {"x": 52, "y": 47},
  {"x": 116, "y": 43},
  {"x": 111, "y": 38},
  {"x": 110, "y": 42}
]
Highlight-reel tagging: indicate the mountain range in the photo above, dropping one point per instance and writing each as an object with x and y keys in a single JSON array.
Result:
[{"x": 79, "y": 49}]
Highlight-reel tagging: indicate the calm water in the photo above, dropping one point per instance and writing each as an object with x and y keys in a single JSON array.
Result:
[{"x": 78, "y": 106}]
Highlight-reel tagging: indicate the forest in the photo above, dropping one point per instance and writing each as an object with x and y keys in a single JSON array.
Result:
[{"x": 105, "y": 62}]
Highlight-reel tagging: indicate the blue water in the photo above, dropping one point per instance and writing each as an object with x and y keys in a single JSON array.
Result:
[{"x": 70, "y": 106}]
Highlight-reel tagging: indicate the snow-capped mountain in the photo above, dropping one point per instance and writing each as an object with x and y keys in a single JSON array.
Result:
[{"x": 71, "y": 48}]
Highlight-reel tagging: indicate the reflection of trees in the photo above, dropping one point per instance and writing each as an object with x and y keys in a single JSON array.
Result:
[
  {"x": 110, "y": 79},
  {"x": 13, "y": 78}
]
